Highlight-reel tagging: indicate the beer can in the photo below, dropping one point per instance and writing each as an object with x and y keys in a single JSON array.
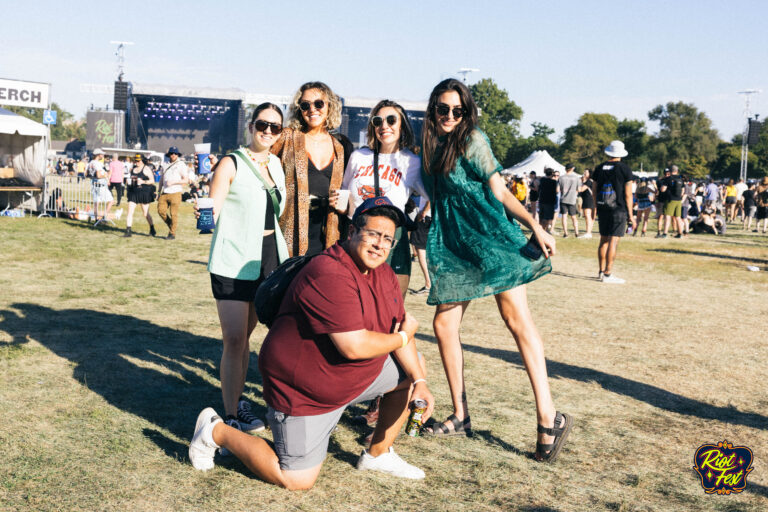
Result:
[{"x": 413, "y": 427}]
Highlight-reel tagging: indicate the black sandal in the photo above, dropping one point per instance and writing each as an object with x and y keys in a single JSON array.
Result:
[
  {"x": 549, "y": 452},
  {"x": 460, "y": 428}
]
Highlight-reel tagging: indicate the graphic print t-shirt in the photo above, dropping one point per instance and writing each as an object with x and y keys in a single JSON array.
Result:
[{"x": 399, "y": 176}]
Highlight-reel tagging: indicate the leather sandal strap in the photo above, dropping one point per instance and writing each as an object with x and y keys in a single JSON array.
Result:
[{"x": 554, "y": 431}]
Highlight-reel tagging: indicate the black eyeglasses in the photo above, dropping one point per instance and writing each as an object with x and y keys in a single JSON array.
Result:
[
  {"x": 442, "y": 110},
  {"x": 378, "y": 120},
  {"x": 261, "y": 126},
  {"x": 305, "y": 105}
]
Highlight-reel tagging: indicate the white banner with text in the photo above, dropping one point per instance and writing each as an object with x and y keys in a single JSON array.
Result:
[{"x": 24, "y": 94}]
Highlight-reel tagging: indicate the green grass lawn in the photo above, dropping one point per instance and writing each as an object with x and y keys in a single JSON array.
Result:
[{"x": 109, "y": 348}]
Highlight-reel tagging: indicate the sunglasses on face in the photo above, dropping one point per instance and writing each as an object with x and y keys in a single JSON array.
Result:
[
  {"x": 261, "y": 126},
  {"x": 305, "y": 105},
  {"x": 442, "y": 110},
  {"x": 378, "y": 120}
]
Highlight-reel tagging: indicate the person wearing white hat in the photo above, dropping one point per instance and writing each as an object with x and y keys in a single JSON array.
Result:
[{"x": 612, "y": 190}]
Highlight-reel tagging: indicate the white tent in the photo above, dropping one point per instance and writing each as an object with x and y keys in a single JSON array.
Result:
[
  {"x": 537, "y": 162},
  {"x": 23, "y": 146}
]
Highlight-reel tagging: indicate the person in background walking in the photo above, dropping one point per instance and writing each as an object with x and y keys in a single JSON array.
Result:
[
  {"x": 569, "y": 185},
  {"x": 141, "y": 190},
  {"x": 645, "y": 198},
  {"x": 547, "y": 199},
  {"x": 613, "y": 194},
  {"x": 172, "y": 180},
  {"x": 587, "y": 202},
  {"x": 116, "y": 177}
]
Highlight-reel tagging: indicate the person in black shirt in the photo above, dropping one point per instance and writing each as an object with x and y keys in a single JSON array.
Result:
[
  {"x": 612, "y": 190},
  {"x": 547, "y": 199},
  {"x": 672, "y": 186},
  {"x": 750, "y": 206}
]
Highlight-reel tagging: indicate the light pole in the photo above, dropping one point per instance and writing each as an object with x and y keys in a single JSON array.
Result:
[
  {"x": 120, "y": 53},
  {"x": 744, "y": 143}
]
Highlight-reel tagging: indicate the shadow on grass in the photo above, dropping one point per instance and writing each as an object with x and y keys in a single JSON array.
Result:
[
  {"x": 103, "y": 227},
  {"x": 711, "y": 255},
  {"x": 574, "y": 276},
  {"x": 163, "y": 375},
  {"x": 652, "y": 395},
  {"x": 758, "y": 489}
]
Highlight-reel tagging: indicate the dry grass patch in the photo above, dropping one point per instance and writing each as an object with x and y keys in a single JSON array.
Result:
[{"x": 109, "y": 348}]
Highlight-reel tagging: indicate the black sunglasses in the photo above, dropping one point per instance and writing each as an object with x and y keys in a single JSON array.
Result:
[
  {"x": 442, "y": 110},
  {"x": 378, "y": 120},
  {"x": 261, "y": 126},
  {"x": 304, "y": 105}
]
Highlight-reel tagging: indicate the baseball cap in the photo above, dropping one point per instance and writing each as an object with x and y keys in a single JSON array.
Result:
[{"x": 379, "y": 202}]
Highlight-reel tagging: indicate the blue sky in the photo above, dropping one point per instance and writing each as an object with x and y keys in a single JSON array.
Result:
[{"x": 556, "y": 60}]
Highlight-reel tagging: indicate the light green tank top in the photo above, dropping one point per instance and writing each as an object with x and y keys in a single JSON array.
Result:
[{"x": 236, "y": 244}]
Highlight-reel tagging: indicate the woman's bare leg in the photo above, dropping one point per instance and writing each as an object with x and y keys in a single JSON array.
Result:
[{"x": 447, "y": 323}]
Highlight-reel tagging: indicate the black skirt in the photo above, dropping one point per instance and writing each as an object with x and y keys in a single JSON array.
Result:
[{"x": 141, "y": 194}]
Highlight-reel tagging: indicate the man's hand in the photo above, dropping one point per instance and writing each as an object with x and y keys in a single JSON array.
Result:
[{"x": 420, "y": 390}]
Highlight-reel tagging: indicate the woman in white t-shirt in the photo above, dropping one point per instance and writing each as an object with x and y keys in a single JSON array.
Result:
[{"x": 390, "y": 138}]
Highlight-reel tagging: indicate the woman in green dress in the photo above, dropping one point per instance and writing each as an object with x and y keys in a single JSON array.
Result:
[{"x": 473, "y": 251}]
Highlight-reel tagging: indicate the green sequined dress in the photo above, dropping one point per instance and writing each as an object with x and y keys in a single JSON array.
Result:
[{"x": 473, "y": 250}]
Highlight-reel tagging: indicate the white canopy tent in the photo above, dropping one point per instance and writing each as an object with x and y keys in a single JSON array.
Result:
[
  {"x": 23, "y": 145},
  {"x": 537, "y": 162}
]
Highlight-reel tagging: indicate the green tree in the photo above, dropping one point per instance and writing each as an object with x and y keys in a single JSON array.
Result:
[
  {"x": 727, "y": 163},
  {"x": 584, "y": 142},
  {"x": 66, "y": 127},
  {"x": 538, "y": 140},
  {"x": 684, "y": 133},
  {"x": 499, "y": 117}
]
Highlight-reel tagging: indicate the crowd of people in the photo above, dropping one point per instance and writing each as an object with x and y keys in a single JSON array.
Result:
[{"x": 342, "y": 335}]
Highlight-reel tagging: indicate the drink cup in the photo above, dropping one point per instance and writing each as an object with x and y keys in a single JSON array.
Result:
[
  {"x": 343, "y": 200},
  {"x": 205, "y": 222},
  {"x": 202, "y": 151}
]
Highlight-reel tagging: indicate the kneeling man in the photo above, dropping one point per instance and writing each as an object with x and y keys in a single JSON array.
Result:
[{"x": 342, "y": 336}]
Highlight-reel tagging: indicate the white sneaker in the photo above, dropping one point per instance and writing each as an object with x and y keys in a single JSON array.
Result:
[
  {"x": 390, "y": 463},
  {"x": 202, "y": 448},
  {"x": 612, "y": 279},
  {"x": 600, "y": 276},
  {"x": 585, "y": 236},
  {"x": 248, "y": 421}
]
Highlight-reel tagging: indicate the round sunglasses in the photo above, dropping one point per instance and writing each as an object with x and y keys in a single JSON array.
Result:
[
  {"x": 305, "y": 105},
  {"x": 261, "y": 126},
  {"x": 442, "y": 110},
  {"x": 378, "y": 120}
]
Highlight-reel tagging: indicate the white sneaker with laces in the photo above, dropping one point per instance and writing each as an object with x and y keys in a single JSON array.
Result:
[
  {"x": 248, "y": 421},
  {"x": 390, "y": 463},
  {"x": 613, "y": 279},
  {"x": 202, "y": 448}
]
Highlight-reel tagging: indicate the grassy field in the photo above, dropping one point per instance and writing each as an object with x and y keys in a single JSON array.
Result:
[{"x": 109, "y": 348}]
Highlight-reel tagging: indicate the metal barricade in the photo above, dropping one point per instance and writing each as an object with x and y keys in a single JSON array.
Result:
[{"x": 69, "y": 196}]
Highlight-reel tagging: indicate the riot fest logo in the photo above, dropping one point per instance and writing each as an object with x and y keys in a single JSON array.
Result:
[{"x": 723, "y": 468}]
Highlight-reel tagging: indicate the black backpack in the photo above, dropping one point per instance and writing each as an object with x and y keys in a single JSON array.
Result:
[
  {"x": 677, "y": 190},
  {"x": 270, "y": 293}
]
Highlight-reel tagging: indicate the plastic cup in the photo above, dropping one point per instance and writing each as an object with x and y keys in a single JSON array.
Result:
[
  {"x": 202, "y": 151},
  {"x": 205, "y": 222},
  {"x": 343, "y": 200}
]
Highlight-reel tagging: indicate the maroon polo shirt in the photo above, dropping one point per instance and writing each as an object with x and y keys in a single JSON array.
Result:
[{"x": 303, "y": 372}]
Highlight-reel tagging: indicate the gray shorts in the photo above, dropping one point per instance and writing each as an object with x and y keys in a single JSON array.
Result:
[
  {"x": 569, "y": 209},
  {"x": 301, "y": 442}
]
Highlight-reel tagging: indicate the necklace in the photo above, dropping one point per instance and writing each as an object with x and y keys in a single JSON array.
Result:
[{"x": 252, "y": 156}]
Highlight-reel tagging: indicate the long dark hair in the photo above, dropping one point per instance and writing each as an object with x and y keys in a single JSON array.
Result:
[
  {"x": 456, "y": 141},
  {"x": 406, "y": 131}
]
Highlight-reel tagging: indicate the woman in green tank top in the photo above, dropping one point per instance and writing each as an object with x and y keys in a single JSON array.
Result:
[
  {"x": 473, "y": 251},
  {"x": 248, "y": 192}
]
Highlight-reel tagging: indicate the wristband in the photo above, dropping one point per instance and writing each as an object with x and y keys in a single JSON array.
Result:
[
  {"x": 404, "y": 336},
  {"x": 419, "y": 380}
]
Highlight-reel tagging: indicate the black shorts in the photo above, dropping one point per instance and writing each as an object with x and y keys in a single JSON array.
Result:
[
  {"x": 546, "y": 211},
  {"x": 420, "y": 234},
  {"x": 569, "y": 209},
  {"x": 612, "y": 222},
  {"x": 730, "y": 200},
  {"x": 228, "y": 288}
]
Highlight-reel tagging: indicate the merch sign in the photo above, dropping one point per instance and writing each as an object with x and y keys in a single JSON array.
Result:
[{"x": 24, "y": 94}]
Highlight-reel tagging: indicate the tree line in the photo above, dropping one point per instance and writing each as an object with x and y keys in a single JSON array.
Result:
[
  {"x": 66, "y": 128},
  {"x": 685, "y": 137}
]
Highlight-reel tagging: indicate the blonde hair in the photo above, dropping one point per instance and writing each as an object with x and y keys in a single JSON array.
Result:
[{"x": 333, "y": 120}]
